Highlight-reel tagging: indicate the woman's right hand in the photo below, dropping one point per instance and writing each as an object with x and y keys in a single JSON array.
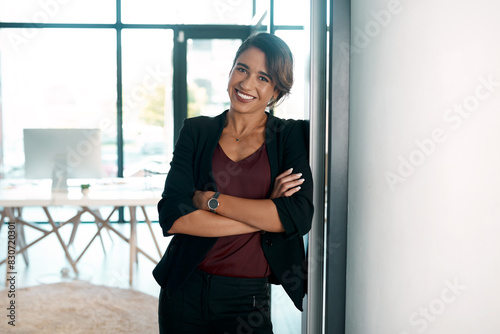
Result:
[{"x": 286, "y": 184}]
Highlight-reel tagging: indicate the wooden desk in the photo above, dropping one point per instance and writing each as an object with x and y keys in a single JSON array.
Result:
[{"x": 132, "y": 193}]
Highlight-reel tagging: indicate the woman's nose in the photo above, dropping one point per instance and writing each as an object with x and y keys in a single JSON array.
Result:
[{"x": 247, "y": 83}]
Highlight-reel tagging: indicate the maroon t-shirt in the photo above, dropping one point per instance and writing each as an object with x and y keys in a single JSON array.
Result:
[{"x": 240, "y": 255}]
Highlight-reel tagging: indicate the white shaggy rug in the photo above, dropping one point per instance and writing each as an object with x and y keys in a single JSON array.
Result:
[{"x": 79, "y": 307}]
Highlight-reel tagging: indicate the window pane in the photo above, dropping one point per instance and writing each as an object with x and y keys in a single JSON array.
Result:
[
  {"x": 284, "y": 315},
  {"x": 64, "y": 78},
  {"x": 291, "y": 12},
  {"x": 295, "y": 106},
  {"x": 187, "y": 11},
  {"x": 147, "y": 100},
  {"x": 262, "y": 8},
  {"x": 58, "y": 11},
  {"x": 209, "y": 62}
]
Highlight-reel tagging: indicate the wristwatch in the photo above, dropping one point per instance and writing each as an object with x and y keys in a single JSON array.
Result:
[{"x": 213, "y": 203}]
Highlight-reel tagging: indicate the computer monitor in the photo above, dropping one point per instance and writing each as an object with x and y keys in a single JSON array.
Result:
[{"x": 74, "y": 153}]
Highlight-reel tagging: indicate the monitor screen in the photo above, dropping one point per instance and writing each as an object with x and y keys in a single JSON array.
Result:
[{"x": 76, "y": 151}]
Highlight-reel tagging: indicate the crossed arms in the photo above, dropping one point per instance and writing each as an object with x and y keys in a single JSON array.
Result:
[{"x": 237, "y": 215}]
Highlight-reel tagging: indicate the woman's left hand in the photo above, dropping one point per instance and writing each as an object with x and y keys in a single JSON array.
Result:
[
  {"x": 286, "y": 184},
  {"x": 200, "y": 199}
]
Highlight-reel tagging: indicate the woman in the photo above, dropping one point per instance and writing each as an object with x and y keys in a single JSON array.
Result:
[{"x": 238, "y": 199}]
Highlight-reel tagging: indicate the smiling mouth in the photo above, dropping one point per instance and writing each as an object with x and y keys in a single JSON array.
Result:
[{"x": 244, "y": 96}]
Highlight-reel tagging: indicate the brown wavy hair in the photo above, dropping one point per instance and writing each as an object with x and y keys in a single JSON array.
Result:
[{"x": 279, "y": 61}]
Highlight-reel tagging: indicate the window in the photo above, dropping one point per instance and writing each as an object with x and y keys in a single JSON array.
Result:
[
  {"x": 147, "y": 99},
  {"x": 295, "y": 105},
  {"x": 207, "y": 87},
  {"x": 57, "y": 11},
  {"x": 61, "y": 78},
  {"x": 187, "y": 12}
]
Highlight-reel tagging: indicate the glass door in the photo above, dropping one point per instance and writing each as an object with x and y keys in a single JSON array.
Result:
[
  {"x": 209, "y": 62},
  {"x": 202, "y": 61}
]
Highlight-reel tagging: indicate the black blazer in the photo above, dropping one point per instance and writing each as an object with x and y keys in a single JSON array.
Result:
[{"x": 191, "y": 169}]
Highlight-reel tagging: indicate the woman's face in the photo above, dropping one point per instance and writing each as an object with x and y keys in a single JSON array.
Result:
[{"x": 250, "y": 86}]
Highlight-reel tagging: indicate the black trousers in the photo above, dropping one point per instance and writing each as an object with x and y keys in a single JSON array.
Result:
[{"x": 209, "y": 304}]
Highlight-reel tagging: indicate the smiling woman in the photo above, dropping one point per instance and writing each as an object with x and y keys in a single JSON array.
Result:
[{"x": 252, "y": 195}]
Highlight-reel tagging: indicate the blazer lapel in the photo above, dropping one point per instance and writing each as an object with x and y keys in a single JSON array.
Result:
[{"x": 213, "y": 131}]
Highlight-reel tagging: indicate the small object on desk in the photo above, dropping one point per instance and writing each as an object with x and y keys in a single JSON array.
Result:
[{"x": 85, "y": 189}]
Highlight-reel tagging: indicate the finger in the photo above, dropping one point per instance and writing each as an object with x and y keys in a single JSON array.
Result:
[
  {"x": 293, "y": 177},
  {"x": 292, "y": 184},
  {"x": 290, "y": 181},
  {"x": 291, "y": 191},
  {"x": 285, "y": 189},
  {"x": 285, "y": 173},
  {"x": 287, "y": 179}
]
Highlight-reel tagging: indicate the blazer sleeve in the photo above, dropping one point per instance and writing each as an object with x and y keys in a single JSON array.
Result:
[
  {"x": 179, "y": 188},
  {"x": 296, "y": 211}
]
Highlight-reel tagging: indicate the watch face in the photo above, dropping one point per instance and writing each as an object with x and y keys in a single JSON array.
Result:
[{"x": 213, "y": 203}]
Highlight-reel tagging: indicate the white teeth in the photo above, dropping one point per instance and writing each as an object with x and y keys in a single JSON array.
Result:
[{"x": 243, "y": 96}]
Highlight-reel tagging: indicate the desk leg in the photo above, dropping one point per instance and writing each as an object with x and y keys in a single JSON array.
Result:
[
  {"x": 98, "y": 212},
  {"x": 76, "y": 222},
  {"x": 146, "y": 218},
  {"x": 61, "y": 241},
  {"x": 133, "y": 241}
]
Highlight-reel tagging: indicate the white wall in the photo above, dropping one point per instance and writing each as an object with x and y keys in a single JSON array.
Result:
[{"x": 424, "y": 196}]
